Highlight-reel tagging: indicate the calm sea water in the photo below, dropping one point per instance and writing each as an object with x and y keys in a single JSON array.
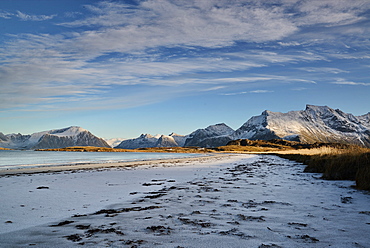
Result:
[{"x": 20, "y": 159}]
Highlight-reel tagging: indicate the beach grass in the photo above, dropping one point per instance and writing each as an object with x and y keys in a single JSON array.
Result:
[{"x": 351, "y": 163}]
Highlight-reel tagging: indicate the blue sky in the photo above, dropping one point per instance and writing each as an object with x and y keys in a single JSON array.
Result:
[{"x": 122, "y": 68}]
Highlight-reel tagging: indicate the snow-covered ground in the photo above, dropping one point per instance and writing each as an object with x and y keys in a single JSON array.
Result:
[{"x": 239, "y": 201}]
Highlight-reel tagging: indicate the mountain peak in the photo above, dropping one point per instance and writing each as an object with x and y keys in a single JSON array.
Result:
[
  {"x": 69, "y": 131},
  {"x": 317, "y": 108},
  {"x": 314, "y": 124},
  {"x": 56, "y": 138}
]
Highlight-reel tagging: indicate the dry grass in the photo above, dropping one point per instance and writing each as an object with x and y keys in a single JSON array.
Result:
[{"x": 351, "y": 163}]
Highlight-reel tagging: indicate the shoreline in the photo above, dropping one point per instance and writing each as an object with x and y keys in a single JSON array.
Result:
[{"x": 99, "y": 166}]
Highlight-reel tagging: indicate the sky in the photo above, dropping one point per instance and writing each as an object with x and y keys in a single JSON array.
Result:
[{"x": 122, "y": 68}]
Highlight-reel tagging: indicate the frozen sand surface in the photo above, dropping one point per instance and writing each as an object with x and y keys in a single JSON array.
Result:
[
  {"x": 250, "y": 201},
  {"x": 26, "y": 203}
]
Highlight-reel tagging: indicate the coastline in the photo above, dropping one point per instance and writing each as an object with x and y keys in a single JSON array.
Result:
[{"x": 100, "y": 166}]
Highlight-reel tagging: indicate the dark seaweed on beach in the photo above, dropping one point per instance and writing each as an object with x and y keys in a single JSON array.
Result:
[
  {"x": 63, "y": 223},
  {"x": 124, "y": 210}
]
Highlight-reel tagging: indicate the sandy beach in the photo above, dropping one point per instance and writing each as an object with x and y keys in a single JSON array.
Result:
[{"x": 215, "y": 201}]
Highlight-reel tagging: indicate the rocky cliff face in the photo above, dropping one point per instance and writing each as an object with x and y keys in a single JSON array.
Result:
[
  {"x": 59, "y": 138},
  {"x": 314, "y": 124}
]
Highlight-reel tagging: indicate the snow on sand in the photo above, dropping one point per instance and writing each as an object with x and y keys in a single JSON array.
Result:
[{"x": 239, "y": 201}]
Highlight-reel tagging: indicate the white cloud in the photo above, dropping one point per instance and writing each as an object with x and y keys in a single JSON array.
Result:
[
  {"x": 291, "y": 43},
  {"x": 42, "y": 68},
  {"x": 260, "y": 91},
  {"x": 27, "y": 17},
  {"x": 194, "y": 23},
  {"x": 346, "y": 82},
  {"x": 323, "y": 69},
  {"x": 5, "y": 15},
  {"x": 214, "y": 88},
  {"x": 328, "y": 12},
  {"x": 248, "y": 92},
  {"x": 299, "y": 89}
]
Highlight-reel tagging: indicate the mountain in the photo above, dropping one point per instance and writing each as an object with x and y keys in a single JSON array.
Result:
[
  {"x": 147, "y": 140},
  {"x": 212, "y": 136},
  {"x": 143, "y": 141},
  {"x": 114, "y": 142},
  {"x": 180, "y": 139},
  {"x": 166, "y": 141},
  {"x": 58, "y": 138},
  {"x": 314, "y": 124}
]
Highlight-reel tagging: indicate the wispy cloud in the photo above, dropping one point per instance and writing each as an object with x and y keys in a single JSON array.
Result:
[
  {"x": 25, "y": 17},
  {"x": 329, "y": 13},
  {"x": 5, "y": 14},
  {"x": 214, "y": 88},
  {"x": 346, "y": 82},
  {"x": 117, "y": 45},
  {"x": 299, "y": 89},
  {"x": 323, "y": 70},
  {"x": 28, "y": 17},
  {"x": 248, "y": 92}
]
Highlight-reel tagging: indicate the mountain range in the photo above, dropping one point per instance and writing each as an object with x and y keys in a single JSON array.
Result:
[
  {"x": 58, "y": 138},
  {"x": 314, "y": 124}
]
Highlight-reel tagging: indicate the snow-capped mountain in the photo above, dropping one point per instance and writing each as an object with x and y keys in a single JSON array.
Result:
[
  {"x": 314, "y": 124},
  {"x": 180, "y": 139},
  {"x": 114, "y": 142},
  {"x": 212, "y": 136},
  {"x": 58, "y": 138},
  {"x": 166, "y": 141},
  {"x": 143, "y": 141}
]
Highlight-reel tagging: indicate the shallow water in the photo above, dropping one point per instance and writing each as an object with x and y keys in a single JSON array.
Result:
[{"x": 14, "y": 159}]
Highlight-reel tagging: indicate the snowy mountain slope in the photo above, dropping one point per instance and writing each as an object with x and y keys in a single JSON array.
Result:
[
  {"x": 143, "y": 141},
  {"x": 148, "y": 140},
  {"x": 57, "y": 138},
  {"x": 212, "y": 136},
  {"x": 180, "y": 139},
  {"x": 114, "y": 142},
  {"x": 2, "y": 137},
  {"x": 365, "y": 120},
  {"x": 314, "y": 124},
  {"x": 166, "y": 141}
]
